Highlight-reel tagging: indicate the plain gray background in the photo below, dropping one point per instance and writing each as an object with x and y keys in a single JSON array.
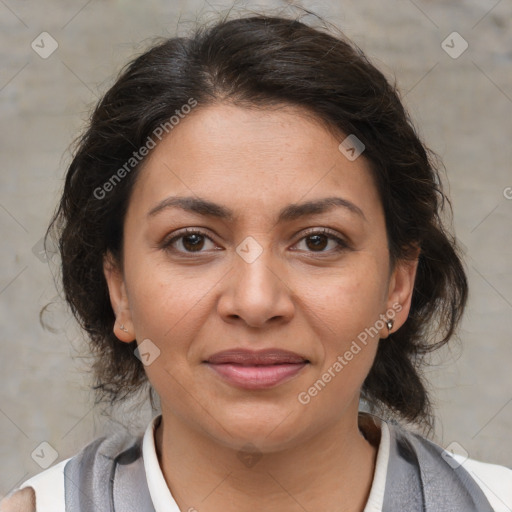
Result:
[{"x": 462, "y": 106}]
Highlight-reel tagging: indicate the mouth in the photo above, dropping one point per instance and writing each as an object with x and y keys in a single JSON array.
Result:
[{"x": 256, "y": 369}]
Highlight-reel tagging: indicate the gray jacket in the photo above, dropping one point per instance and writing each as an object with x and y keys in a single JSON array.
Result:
[{"x": 108, "y": 475}]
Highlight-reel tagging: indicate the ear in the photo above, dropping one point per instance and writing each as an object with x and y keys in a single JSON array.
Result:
[
  {"x": 401, "y": 287},
  {"x": 123, "y": 326}
]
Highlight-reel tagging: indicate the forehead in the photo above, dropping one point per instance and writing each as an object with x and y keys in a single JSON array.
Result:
[{"x": 252, "y": 157}]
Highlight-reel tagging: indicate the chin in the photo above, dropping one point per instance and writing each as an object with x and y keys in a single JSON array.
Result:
[{"x": 269, "y": 429}]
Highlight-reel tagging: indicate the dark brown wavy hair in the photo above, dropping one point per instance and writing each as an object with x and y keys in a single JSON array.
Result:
[{"x": 263, "y": 61}]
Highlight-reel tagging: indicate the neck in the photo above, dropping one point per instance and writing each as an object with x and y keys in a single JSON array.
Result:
[{"x": 331, "y": 470}]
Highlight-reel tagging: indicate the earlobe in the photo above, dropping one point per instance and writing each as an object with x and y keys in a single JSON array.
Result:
[{"x": 123, "y": 326}]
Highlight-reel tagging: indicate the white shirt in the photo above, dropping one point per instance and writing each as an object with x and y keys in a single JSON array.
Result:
[
  {"x": 495, "y": 481},
  {"x": 164, "y": 502}
]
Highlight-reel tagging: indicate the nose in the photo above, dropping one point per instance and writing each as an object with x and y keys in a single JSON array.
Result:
[{"x": 256, "y": 292}]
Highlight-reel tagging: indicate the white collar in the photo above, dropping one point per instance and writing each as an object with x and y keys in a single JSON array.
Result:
[
  {"x": 163, "y": 500},
  {"x": 376, "y": 497},
  {"x": 160, "y": 493}
]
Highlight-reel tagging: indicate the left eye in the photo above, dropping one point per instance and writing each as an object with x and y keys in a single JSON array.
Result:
[{"x": 318, "y": 241}]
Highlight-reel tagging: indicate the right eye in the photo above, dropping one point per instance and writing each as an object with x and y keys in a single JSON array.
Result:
[{"x": 187, "y": 241}]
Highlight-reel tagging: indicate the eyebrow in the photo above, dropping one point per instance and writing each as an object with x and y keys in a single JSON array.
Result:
[{"x": 288, "y": 213}]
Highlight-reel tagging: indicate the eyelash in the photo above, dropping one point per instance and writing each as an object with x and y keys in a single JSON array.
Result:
[{"x": 167, "y": 244}]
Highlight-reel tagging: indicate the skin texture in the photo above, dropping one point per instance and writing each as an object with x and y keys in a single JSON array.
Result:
[
  {"x": 307, "y": 298},
  {"x": 20, "y": 501}
]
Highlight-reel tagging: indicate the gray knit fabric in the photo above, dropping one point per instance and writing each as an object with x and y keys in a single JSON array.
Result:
[{"x": 108, "y": 476}]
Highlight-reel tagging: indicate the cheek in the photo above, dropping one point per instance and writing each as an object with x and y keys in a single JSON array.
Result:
[
  {"x": 343, "y": 315},
  {"x": 344, "y": 309},
  {"x": 160, "y": 298},
  {"x": 347, "y": 301}
]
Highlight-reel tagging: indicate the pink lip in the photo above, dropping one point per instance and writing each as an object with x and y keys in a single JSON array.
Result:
[
  {"x": 257, "y": 376},
  {"x": 261, "y": 369},
  {"x": 256, "y": 357}
]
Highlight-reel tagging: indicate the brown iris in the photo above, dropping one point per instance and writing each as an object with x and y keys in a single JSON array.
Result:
[
  {"x": 193, "y": 242},
  {"x": 320, "y": 241}
]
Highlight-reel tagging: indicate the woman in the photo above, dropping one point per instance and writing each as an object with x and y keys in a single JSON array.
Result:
[{"x": 252, "y": 225}]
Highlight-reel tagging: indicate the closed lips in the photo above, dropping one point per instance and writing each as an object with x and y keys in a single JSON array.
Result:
[{"x": 260, "y": 358}]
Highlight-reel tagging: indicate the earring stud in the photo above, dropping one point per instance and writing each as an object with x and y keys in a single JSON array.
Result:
[
  {"x": 123, "y": 328},
  {"x": 389, "y": 324}
]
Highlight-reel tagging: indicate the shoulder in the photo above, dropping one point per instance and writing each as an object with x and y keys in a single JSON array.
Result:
[
  {"x": 494, "y": 480},
  {"x": 43, "y": 492},
  {"x": 47, "y": 489},
  {"x": 23, "y": 500}
]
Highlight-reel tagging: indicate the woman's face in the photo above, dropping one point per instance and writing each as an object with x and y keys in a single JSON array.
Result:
[{"x": 270, "y": 264}]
